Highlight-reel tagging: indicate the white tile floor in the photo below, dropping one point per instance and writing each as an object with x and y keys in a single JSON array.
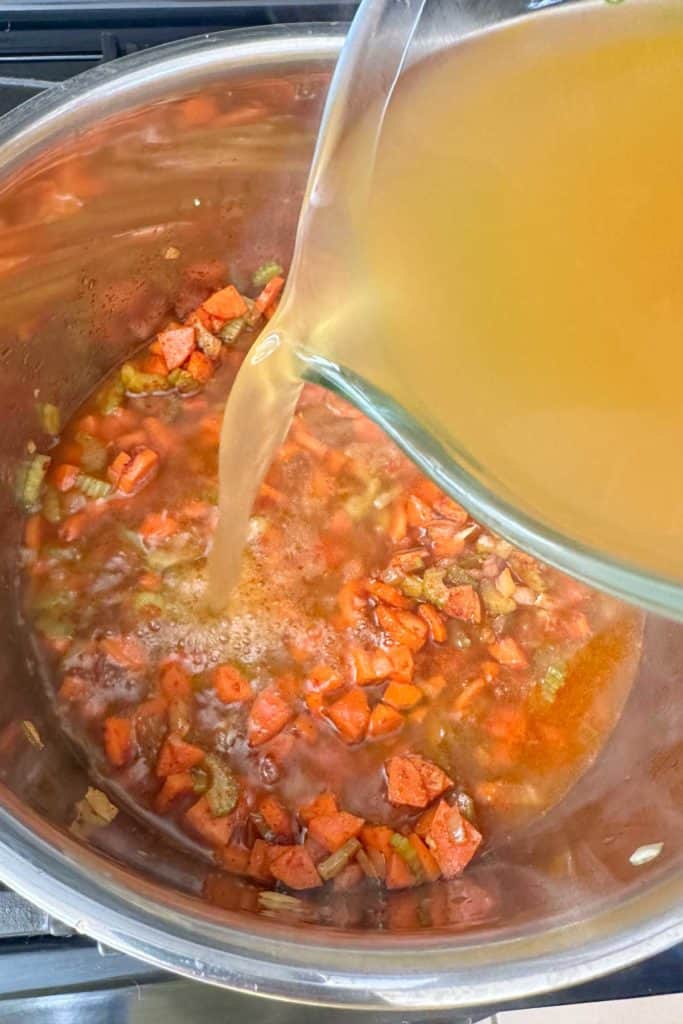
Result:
[{"x": 658, "y": 1009}]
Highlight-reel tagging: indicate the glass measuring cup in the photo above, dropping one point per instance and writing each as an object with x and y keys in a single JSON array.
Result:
[{"x": 324, "y": 299}]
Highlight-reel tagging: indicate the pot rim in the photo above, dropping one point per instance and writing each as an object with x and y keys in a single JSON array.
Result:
[{"x": 91, "y": 893}]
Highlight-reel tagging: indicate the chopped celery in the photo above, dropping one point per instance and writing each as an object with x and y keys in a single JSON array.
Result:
[
  {"x": 136, "y": 382},
  {"x": 131, "y": 537},
  {"x": 183, "y": 381},
  {"x": 111, "y": 396},
  {"x": 407, "y": 852},
  {"x": 32, "y": 734},
  {"x": 51, "y": 506},
  {"x": 223, "y": 793},
  {"x": 411, "y": 586},
  {"x": 200, "y": 780},
  {"x": 494, "y": 601},
  {"x": 337, "y": 861},
  {"x": 456, "y": 576},
  {"x": 279, "y": 901},
  {"x": 92, "y": 487},
  {"x": 147, "y": 599},
  {"x": 93, "y": 453},
  {"x": 53, "y": 627},
  {"x": 553, "y": 681},
  {"x": 209, "y": 344},
  {"x": 59, "y": 553},
  {"x": 230, "y": 332},
  {"x": 434, "y": 588},
  {"x": 265, "y": 273},
  {"x": 50, "y": 419},
  {"x": 32, "y": 476}
]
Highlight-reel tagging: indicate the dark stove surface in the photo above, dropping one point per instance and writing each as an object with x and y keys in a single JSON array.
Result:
[{"x": 48, "y": 973}]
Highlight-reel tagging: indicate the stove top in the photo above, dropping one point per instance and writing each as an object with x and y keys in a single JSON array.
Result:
[{"x": 47, "y": 972}]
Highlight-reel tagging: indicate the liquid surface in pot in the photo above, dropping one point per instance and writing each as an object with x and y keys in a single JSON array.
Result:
[
  {"x": 394, "y": 690},
  {"x": 514, "y": 280}
]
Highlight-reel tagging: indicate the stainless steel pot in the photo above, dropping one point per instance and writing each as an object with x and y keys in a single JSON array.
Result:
[{"x": 98, "y": 181}]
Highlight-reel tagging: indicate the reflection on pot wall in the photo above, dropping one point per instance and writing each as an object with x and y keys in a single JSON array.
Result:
[{"x": 105, "y": 237}]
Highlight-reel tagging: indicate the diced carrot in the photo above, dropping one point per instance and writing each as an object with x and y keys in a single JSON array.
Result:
[
  {"x": 436, "y": 625},
  {"x": 177, "y": 756},
  {"x": 138, "y": 471},
  {"x": 269, "y": 713},
  {"x": 403, "y": 628},
  {"x": 153, "y": 363},
  {"x": 323, "y": 805},
  {"x": 379, "y": 862},
  {"x": 335, "y": 462},
  {"x": 399, "y": 875},
  {"x": 230, "y": 685},
  {"x": 305, "y": 727},
  {"x": 315, "y": 702},
  {"x": 226, "y": 304},
  {"x": 427, "y": 491},
  {"x": 452, "y": 840},
  {"x": 508, "y": 722},
  {"x": 155, "y": 348},
  {"x": 292, "y": 865},
  {"x": 88, "y": 425},
  {"x": 200, "y": 367},
  {"x": 351, "y": 715},
  {"x": 398, "y": 522},
  {"x": 216, "y": 831},
  {"x": 413, "y": 781},
  {"x": 272, "y": 494},
  {"x": 266, "y": 297},
  {"x": 156, "y": 526},
  {"x": 125, "y": 650},
  {"x": 430, "y": 869},
  {"x": 417, "y": 512},
  {"x": 368, "y": 666},
  {"x": 118, "y": 740},
  {"x": 433, "y": 686},
  {"x": 402, "y": 696},
  {"x": 259, "y": 861},
  {"x": 463, "y": 603},
  {"x": 174, "y": 681},
  {"x": 333, "y": 830},
  {"x": 115, "y": 470},
  {"x": 74, "y": 527},
  {"x": 65, "y": 477},
  {"x": 135, "y": 439},
  {"x": 387, "y": 594},
  {"x": 384, "y": 721},
  {"x": 323, "y": 679},
  {"x": 234, "y": 858},
  {"x": 176, "y": 346},
  {"x": 465, "y": 699},
  {"x": 402, "y": 663},
  {"x": 508, "y": 653},
  {"x": 351, "y": 602},
  {"x": 33, "y": 532},
  {"x": 73, "y": 688},
  {"x": 490, "y": 670},
  {"x": 276, "y": 818},
  {"x": 174, "y": 785},
  {"x": 450, "y": 509},
  {"x": 377, "y": 837}
]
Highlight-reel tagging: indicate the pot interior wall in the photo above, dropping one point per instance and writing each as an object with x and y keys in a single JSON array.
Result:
[{"x": 215, "y": 168}]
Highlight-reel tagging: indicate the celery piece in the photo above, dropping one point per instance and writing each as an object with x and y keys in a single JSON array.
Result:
[
  {"x": 337, "y": 861},
  {"x": 230, "y": 332},
  {"x": 405, "y": 849},
  {"x": 147, "y": 599},
  {"x": 412, "y": 587},
  {"x": 434, "y": 588},
  {"x": 92, "y": 487},
  {"x": 50, "y": 419},
  {"x": 51, "y": 506},
  {"x": 223, "y": 793},
  {"x": 265, "y": 273},
  {"x": 111, "y": 396},
  {"x": 553, "y": 681},
  {"x": 183, "y": 381},
  {"x": 136, "y": 382},
  {"x": 31, "y": 477},
  {"x": 209, "y": 344},
  {"x": 494, "y": 601},
  {"x": 94, "y": 456}
]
